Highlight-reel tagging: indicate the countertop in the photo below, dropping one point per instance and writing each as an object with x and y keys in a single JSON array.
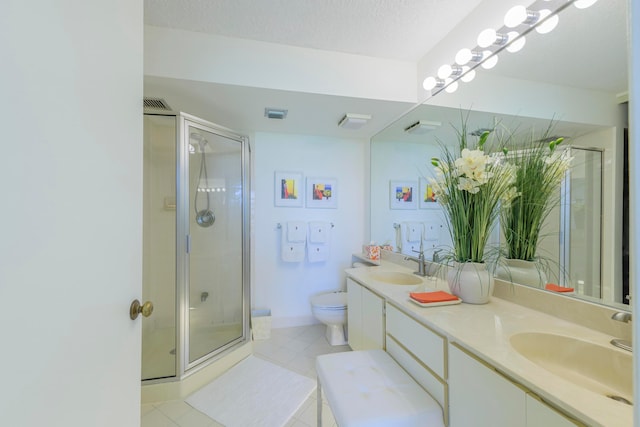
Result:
[{"x": 485, "y": 330}]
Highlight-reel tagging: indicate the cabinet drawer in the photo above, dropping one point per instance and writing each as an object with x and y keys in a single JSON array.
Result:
[
  {"x": 426, "y": 345},
  {"x": 434, "y": 386}
]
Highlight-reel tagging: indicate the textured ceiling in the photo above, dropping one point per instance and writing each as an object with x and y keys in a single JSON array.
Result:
[{"x": 394, "y": 29}]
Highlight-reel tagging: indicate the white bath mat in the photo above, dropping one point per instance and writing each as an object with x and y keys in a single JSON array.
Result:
[{"x": 253, "y": 393}]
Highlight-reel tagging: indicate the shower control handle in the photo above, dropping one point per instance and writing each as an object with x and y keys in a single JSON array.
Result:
[{"x": 136, "y": 308}]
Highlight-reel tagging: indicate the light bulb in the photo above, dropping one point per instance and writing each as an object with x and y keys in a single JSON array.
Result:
[
  {"x": 444, "y": 71},
  {"x": 429, "y": 83},
  {"x": 515, "y": 16},
  {"x": 490, "y": 62},
  {"x": 463, "y": 56},
  {"x": 487, "y": 37},
  {"x": 583, "y": 4},
  {"x": 549, "y": 24},
  {"x": 516, "y": 45},
  {"x": 468, "y": 75},
  {"x": 452, "y": 87}
]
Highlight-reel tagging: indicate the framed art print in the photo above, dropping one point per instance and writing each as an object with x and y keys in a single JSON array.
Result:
[
  {"x": 402, "y": 194},
  {"x": 428, "y": 199},
  {"x": 321, "y": 193},
  {"x": 288, "y": 189}
]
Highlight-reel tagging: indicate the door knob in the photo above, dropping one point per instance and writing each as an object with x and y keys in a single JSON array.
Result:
[{"x": 146, "y": 309}]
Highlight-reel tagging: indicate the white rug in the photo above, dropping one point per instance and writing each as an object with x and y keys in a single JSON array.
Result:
[{"x": 253, "y": 393}]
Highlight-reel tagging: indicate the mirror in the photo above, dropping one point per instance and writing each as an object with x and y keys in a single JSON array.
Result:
[{"x": 576, "y": 76}]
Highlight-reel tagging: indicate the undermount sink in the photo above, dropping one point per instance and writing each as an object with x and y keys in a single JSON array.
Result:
[
  {"x": 603, "y": 370},
  {"x": 396, "y": 277}
]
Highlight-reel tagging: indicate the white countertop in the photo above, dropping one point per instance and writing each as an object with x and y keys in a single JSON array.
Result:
[{"x": 485, "y": 330}]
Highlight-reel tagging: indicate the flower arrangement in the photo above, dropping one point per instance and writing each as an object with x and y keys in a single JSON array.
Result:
[
  {"x": 470, "y": 185},
  {"x": 540, "y": 169}
]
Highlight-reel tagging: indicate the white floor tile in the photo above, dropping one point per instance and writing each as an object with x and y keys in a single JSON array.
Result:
[
  {"x": 174, "y": 409},
  {"x": 194, "y": 418},
  {"x": 156, "y": 418}
]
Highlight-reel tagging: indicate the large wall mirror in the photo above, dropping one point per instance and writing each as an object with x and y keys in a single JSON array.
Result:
[{"x": 575, "y": 76}]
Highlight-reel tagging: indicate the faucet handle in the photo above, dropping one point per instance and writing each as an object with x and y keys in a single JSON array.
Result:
[{"x": 622, "y": 316}]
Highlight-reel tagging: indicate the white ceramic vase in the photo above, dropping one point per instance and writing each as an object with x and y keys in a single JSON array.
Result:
[
  {"x": 471, "y": 282},
  {"x": 522, "y": 272}
]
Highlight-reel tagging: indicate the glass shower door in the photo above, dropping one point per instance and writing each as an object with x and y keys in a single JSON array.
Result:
[
  {"x": 214, "y": 241},
  {"x": 159, "y": 247}
]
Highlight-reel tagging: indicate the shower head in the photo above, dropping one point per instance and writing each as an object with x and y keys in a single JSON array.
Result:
[{"x": 200, "y": 140}]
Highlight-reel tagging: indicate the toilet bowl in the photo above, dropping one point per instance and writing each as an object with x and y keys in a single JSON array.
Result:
[{"x": 331, "y": 309}]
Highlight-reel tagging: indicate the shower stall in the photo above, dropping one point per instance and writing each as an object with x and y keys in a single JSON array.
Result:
[{"x": 195, "y": 244}]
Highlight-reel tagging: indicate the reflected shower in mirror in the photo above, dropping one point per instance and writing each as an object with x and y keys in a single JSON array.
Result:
[{"x": 574, "y": 76}]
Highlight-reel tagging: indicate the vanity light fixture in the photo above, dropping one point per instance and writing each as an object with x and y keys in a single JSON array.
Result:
[
  {"x": 431, "y": 83},
  {"x": 491, "y": 42},
  {"x": 353, "y": 120},
  {"x": 519, "y": 15},
  {"x": 489, "y": 37},
  {"x": 275, "y": 113},
  {"x": 422, "y": 126}
]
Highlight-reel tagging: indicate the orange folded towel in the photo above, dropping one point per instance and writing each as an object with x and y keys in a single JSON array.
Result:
[
  {"x": 437, "y": 296},
  {"x": 556, "y": 288}
]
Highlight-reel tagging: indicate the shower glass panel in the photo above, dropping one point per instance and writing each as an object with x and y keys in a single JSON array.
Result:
[
  {"x": 159, "y": 247},
  {"x": 215, "y": 265},
  {"x": 584, "y": 222},
  {"x": 195, "y": 244}
]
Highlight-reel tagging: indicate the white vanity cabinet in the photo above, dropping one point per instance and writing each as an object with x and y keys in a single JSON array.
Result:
[
  {"x": 365, "y": 318},
  {"x": 480, "y": 396}
]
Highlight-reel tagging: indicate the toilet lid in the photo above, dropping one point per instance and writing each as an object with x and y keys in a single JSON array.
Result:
[{"x": 330, "y": 300}]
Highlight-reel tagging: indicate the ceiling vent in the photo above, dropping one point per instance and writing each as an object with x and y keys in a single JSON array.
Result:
[
  {"x": 422, "y": 126},
  {"x": 275, "y": 113},
  {"x": 156, "y": 104},
  {"x": 354, "y": 121}
]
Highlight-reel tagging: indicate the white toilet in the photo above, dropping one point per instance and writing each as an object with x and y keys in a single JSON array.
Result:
[{"x": 331, "y": 309}]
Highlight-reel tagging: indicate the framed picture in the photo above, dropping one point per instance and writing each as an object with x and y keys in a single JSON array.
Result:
[
  {"x": 288, "y": 189},
  {"x": 322, "y": 193},
  {"x": 428, "y": 199},
  {"x": 402, "y": 194}
]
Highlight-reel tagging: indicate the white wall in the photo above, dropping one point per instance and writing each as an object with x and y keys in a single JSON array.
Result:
[
  {"x": 285, "y": 288},
  {"x": 71, "y": 223}
]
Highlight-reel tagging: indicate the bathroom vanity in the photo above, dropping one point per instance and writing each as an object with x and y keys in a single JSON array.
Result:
[{"x": 497, "y": 364}]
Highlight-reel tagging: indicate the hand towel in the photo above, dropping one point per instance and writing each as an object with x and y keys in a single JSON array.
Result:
[
  {"x": 291, "y": 251},
  {"x": 296, "y": 231},
  {"x": 319, "y": 232},
  {"x": 317, "y": 252},
  {"x": 436, "y": 296},
  {"x": 414, "y": 231},
  {"x": 556, "y": 288}
]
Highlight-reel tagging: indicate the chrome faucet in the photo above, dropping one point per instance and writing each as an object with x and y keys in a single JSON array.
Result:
[
  {"x": 622, "y": 316},
  {"x": 422, "y": 265}
]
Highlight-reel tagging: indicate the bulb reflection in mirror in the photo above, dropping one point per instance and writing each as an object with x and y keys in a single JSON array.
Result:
[
  {"x": 548, "y": 25},
  {"x": 468, "y": 75},
  {"x": 429, "y": 83},
  {"x": 516, "y": 45},
  {"x": 490, "y": 62},
  {"x": 583, "y": 4},
  {"x": 452, "y": 86}
]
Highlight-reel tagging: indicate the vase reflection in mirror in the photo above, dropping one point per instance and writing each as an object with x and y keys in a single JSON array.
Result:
[{"x": 522, "y": 272}]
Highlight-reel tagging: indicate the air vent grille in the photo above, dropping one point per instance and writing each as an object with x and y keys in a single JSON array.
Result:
[{"x": 156, "y": 104}]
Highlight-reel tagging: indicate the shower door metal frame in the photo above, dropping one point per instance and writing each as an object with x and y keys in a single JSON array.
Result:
[{"x": 184, "y": 367}]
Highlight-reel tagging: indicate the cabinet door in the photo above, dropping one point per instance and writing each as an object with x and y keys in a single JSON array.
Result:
[
  {"x": 354, "y": 314},
  {"x": 372, "y": 321},
  {"x": 480, "y": 397},
  {"x": 541, "y": 415}
]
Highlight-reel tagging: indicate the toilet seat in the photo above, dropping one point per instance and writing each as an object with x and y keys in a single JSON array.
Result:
[{"x": 330, "y": 301}]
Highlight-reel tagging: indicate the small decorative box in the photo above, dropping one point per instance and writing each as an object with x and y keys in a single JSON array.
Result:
[
  {"x": 372, "y": 252},
  {"x": 387, "y": 248}
]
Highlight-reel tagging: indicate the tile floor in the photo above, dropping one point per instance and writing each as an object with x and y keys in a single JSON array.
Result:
[{"x": 291, "y": 348}]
